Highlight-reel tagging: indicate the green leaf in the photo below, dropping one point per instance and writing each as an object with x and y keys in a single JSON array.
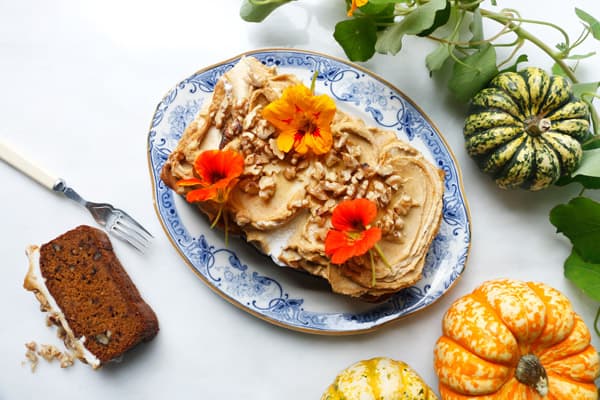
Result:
[
  {"x": 419, "y": 20},
  {"x": 579, "y": 220},
  {"x": 581, "y": 56},
  {"x": 558, "y": 70},
  {"x": 473, "y": 72},
  {"x": 591, "y": 21},
  {"x": 586, "y": 88},
  {"x": 390, "y": 40},
  {"x": 441, "y": 17},
  {"x": 379, "y": 2},
  {"x": 382, "y": 9},
  {"x": 585, "y": 275},
  {"x": 382, "y": 13},
  {"x": 357, "y": 37},
  {"x": 588, "y": 173},
  {"x": 513, "y": 68},
  {"x": 587, "y": 182},
  {"x": 258, "y": 10},
  {"x": 592, "y": 143},
  {"x": 590, "y": 164},
  {"x": 476, "y": 28},
  {"x": 436, "y": 59},
  {"x": 423, "y": 17}
]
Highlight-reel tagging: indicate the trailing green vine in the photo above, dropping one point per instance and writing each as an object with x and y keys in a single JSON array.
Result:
[{"x": 457, "y": 28}]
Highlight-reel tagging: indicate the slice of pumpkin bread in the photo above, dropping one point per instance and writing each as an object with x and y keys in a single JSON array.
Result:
[{"x": 80, "y": 282}]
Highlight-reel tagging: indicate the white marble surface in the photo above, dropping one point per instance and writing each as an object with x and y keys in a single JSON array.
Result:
[{"x": 80, "y": 81}]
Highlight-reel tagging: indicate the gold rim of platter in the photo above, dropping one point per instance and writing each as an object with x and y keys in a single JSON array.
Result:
[{"x": 271, "y": 320}]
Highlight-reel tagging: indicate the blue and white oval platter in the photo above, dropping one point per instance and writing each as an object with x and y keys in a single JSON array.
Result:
[{"x": 251, "y": 281}]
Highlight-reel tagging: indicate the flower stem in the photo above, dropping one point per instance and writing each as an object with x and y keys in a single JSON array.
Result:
[
  {"x": 214, "y": 223},
  {"x": 313, "y": 81},
  {"x": 226, "y": 221},
  {"x": 372, "y": 269},
  {"x": 519, "y": 31},
  {"x": 382, "y": 256}
]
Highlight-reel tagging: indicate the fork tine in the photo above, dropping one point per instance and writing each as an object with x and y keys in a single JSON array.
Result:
[
  {"x": 135, "y": 225},
  {"x": 134, "y": 229},
  {"x": 122, "y": 233}
]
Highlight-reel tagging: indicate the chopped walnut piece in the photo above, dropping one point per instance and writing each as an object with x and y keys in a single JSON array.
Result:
[
  {"x": 317, "y": 192},
  {"x": 346, "y": 175},
  {"x": 249, "y": 159},
  {"x": 249, "y": 186},
  {"x": 250, "y": 118},
  {"x": 385, "y": 170},
  {"x": 362, "y": 189},
  {"x": 248, "y": 137},
  {"x": 103, "y": 338},
  {"x": 372, "y": 196},
  {"x": 326, "y": 208},
  {"x": 394, "y": 181},
  {"x": 340, "y": 141},
  {"x": 266, "y": 186},
  {"x": 275, "y": 149},
  {"x": 349, "y": 161},
  {"x": 242, "y": 220},
  {"x": 52, "y": 319},
  {"x": 289, "y": 173},
  {"x": 319, "y": 171},
  {"x": 302, "y": 165},
  {"x": 66, "y": 360},
  {"x": 334, "y": 187},
  {"x": 221, "y": 113},
  {"x": 262, "y": 159},
  {"x": 31, "y": 355},
  {"x": 355, "y": 152},
  {"x": 49, "y": 352},
  {"x": 331, "y": 159},
  {"x": 44, "y": 306},
  {"x": 253, "y": 169}
]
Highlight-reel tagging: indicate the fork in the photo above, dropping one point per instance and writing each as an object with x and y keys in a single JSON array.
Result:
[{"x": 114, "y": 220}]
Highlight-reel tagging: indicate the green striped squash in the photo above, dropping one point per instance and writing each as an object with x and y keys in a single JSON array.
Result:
[
  {"x": 525, "y": 129},
  {"x": 380, "y": 378}
]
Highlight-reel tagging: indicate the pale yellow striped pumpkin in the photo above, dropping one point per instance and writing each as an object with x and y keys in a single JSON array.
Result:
[{"x": 379, "y": 378}]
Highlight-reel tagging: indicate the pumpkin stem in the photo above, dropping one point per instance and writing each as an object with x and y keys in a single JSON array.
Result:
[
  {"x": 536, "y": 126},
  {"x": 531, "y": 373}
]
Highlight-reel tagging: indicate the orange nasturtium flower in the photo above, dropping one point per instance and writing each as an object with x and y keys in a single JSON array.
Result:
[
  {"x": 355, "y": 5},
  {"x": 352, "y": 234},
  {"x": 218, "y": 172},
  {"x": 303, "y": 120}
]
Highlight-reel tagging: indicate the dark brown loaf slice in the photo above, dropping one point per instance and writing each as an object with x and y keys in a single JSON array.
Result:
[{"x": 98, "y": 299}]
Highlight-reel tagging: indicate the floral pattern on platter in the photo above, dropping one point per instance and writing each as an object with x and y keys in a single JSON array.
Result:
[{"x": 266, "y": 291}]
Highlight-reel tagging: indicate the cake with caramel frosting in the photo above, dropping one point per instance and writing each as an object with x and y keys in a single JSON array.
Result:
[{"x": 283, "y": 202}]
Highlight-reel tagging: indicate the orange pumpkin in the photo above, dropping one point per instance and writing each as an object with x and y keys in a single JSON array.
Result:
[{"x": 514, "y": 340}]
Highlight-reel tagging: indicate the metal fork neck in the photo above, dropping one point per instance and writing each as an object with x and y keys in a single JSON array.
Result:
[{"x": 61, "y": 186}]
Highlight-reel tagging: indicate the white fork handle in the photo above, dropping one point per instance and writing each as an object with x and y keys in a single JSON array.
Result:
[{"x": 27, "y": 167}]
